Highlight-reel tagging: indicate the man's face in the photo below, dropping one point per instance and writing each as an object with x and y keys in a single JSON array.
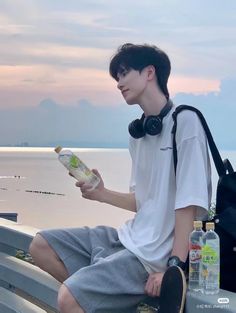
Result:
[{"x": 132, "y": 85}]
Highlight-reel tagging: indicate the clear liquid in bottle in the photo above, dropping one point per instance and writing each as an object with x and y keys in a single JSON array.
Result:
[
  {"x": 195, "y": 258},
  {"x": 77, "y": 167},
  {"x": 211, "y": 261}
]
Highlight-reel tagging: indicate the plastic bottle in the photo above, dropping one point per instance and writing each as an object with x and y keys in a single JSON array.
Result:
[
  {"x": 195, "y": 254},
  {"x": 76, "y": 167},
  {"x": 211, "y": 260}
]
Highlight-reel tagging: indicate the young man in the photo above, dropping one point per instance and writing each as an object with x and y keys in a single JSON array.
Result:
[{"x": 107, "y": 270}]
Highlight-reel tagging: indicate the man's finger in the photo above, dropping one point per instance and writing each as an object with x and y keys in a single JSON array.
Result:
[
  {"x": 79, "y": 183},
  {"x": 157, "y": 291}
]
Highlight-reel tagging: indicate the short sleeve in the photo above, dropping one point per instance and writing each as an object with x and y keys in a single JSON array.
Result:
[{"x": 193, "y": 173}]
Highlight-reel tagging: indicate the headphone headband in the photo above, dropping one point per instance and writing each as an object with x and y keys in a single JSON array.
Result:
[
  {"x": 151, "y": 125},
  {"x": 166, "y": 109}
]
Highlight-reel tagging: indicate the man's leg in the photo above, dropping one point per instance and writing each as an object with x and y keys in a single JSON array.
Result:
[
  {"x": 61, "y": 252},
  {"x": 113, "y": 284},
  {"x": 67, "y": 303},
  {"x": 46, "y": 258}
]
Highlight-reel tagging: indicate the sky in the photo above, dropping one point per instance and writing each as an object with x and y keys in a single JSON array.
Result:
[{"x": 54, "y": 58}]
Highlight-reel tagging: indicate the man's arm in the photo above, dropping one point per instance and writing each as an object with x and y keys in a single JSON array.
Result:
[
  {"x": 183, "y": 227},
  {"x": 122, "y": 200},
  {"x": 100, "y": 193}
]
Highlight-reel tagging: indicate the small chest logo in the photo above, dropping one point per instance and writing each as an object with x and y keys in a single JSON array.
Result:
[{"x": 166, "y": 148}]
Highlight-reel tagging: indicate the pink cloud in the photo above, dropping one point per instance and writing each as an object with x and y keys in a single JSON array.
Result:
[
  {"x": 193, "y": 85},
  {"x": 28, "y": 85}
]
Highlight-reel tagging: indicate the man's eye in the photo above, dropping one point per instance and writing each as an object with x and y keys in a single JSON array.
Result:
[{"x": 122, "y": 74}]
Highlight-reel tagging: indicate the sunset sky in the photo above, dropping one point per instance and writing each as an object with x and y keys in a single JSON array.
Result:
[{"x": 58, "y": 51}]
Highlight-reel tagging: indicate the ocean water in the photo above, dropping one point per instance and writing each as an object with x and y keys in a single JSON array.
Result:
[{"x": 34, "y": 184}]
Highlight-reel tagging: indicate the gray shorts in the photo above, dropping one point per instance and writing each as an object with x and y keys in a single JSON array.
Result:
[{"x": 105, "y": 277}]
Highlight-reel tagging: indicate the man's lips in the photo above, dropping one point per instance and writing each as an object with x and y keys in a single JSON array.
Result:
[{"x": 124, "y": 91}]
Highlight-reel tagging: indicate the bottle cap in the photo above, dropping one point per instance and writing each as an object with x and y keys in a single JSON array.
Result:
[
  {"x": 58, "y": 149},
  {"x": 210, "y": 226},
  {"x": 197, "y": 224}
]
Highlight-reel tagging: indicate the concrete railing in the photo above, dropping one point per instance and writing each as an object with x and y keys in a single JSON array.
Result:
[{"x": 26, "y": 288}]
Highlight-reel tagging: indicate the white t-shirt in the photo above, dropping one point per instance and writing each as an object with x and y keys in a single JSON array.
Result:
[{"x": 159, "y": 192}]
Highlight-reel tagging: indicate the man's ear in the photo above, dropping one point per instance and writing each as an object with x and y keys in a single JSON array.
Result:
[{"x": 151, "y": 72}]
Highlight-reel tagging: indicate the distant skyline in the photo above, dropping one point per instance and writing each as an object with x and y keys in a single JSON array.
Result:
[{"x": 54, "y": 59}]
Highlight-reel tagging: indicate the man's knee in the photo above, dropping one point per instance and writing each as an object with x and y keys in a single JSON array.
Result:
[
  {"x": 37, "y": 244},
  {"x": 47, "y": 259},
  {"x": 66, "y": 302},
  {"x": 38, "y": 247}
]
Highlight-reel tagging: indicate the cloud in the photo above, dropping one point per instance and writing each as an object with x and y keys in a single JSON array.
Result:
[
  {"x": 86, "y": 124},
  {"x": 219, "y": 109},
  {"x": 55, "y": 56},
  {"x": 51, "y": 124},
  {"x": 195, "y": 36},
  {"x": 61, "y": 49},
  {"x": 28, "y": 85},
  {"x": 195, "y": 85}
]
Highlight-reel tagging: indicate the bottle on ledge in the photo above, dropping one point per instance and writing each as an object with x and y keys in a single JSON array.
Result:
[
  {"x": 195, "y": 255},
  {"x": 211, "y": 260}
]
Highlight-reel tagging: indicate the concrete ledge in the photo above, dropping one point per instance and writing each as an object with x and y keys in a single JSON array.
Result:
[
  {"x": 12, "y": 303},
  {"x": 14, "y": 236},
  {"x": 223, "y": 302},
  {"x": 29, "y": 279}
]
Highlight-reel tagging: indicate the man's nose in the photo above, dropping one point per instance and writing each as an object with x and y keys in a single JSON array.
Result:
[{"x": 119, "y": 84}]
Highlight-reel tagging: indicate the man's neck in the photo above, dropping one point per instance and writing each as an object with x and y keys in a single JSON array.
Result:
[{"x": 153, "y": 104}]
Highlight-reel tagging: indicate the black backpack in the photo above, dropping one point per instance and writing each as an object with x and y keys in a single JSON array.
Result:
[{"x": 225, "y": 211}]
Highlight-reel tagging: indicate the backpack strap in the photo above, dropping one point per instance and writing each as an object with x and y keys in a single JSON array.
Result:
[
  {"x": 220, "y": 167},
  {"x": 228, "y": 166}
]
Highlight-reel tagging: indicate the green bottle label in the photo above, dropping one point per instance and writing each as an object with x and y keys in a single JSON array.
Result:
[
  {"x": 74, "y": 161},
  {"x": 209, "y": 255}
]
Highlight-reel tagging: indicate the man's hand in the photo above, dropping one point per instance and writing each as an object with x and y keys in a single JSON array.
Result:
[
  {"x": 92, "y": 194},
  {"x": 100, "y": 193},
  {"x": 153, "y": 285}
]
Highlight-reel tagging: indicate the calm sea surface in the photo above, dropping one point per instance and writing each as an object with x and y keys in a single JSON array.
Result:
[{"x": 34, "y": 184}]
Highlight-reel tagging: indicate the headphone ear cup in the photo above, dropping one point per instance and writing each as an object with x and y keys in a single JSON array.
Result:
[
  {"x": 136, "y": 129},
  {"x": 152, "y": 125}
]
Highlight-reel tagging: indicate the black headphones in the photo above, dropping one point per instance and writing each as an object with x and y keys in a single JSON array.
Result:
[{"x": 151, "y": 125}]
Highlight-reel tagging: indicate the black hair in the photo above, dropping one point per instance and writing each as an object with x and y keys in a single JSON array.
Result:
[{"x": 137, "y": 57}]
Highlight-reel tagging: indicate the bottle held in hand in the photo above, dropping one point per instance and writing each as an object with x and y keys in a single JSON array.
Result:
[{"x": 77, "y": 167}]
